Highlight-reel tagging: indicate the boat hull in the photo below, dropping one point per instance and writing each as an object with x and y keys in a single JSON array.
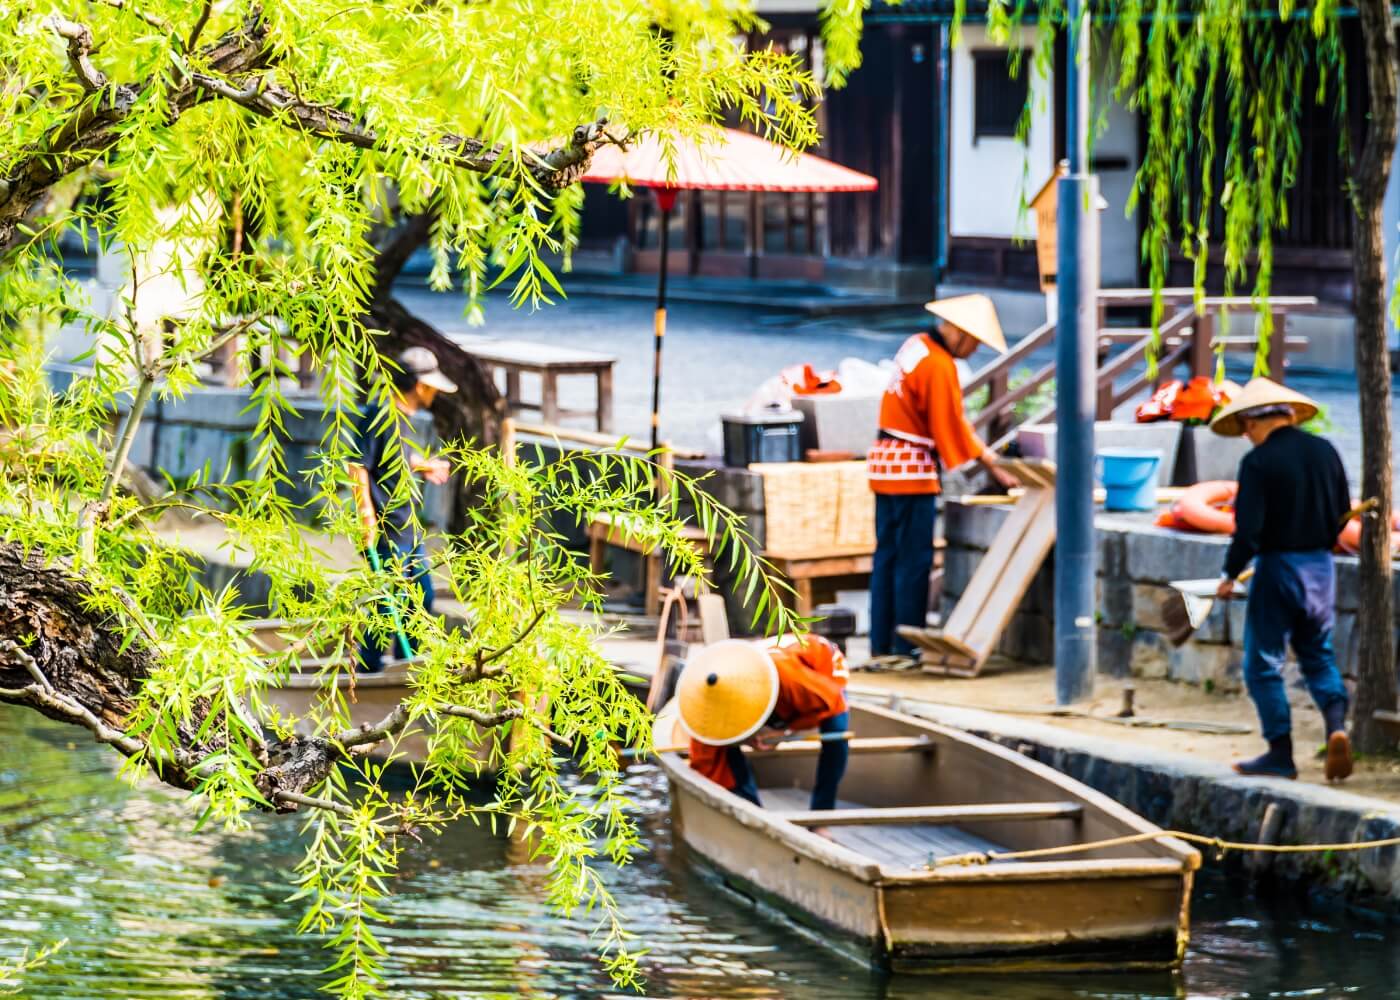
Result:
[{"x": 1099, "y": 911}]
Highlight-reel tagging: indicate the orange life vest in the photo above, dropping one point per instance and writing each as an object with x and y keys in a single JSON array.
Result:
[
  {"x": 812, "y": 675},
  {"x": 922, "y": 414}
]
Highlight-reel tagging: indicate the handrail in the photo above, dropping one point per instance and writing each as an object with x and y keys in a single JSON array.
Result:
[
  {"x": 1026, "y": 345},
  {"x": 1188, "y": 335}
]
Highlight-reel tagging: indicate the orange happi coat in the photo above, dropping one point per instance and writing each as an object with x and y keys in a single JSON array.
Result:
[
  {"x": 812, "y": 676},
  {"x": 922, "y": 410}
]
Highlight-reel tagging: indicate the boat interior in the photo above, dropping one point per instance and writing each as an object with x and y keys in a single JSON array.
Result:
[{"x": 915, "y": 793}]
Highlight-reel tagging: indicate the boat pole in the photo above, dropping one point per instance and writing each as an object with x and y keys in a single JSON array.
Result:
[{"x": 1077, "y": 280}]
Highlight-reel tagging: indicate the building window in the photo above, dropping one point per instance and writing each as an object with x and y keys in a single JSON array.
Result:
[{"x": 998, "y": 97}]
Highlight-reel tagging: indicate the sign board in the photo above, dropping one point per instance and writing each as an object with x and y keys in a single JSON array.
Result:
[{"x": 1046, "y": 205}]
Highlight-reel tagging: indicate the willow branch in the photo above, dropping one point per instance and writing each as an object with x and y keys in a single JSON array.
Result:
[
  {"x": 146, "y": 16},
  {"x": 483, "y": 718},
  {"x": 37, "y": 696},
  {"x": 198, "y": 28},
  {"x": 554, "y": 169},
  {"x": 311, "y": 802},
  {"x": 79, "y": 39},
  {"x": 370, "y": 734}
]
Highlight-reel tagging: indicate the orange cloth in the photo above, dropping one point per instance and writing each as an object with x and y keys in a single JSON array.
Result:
[
  {"x": 923, "y": 409},
  {"x": 812, "y": 678}
]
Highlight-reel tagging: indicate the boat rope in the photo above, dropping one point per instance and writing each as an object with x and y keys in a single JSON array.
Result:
[{"x": 1220, "y": 845}]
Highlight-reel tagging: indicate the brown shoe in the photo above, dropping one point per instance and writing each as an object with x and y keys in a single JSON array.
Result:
[{"x": 1339, "y": 763}]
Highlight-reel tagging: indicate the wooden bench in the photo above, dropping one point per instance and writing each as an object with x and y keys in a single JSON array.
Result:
[
  {"x": 997, "y": 812},
  {"x": 517, "y": 357}
]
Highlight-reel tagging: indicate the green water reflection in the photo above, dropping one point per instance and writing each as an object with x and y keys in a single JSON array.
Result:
[{"x": 150, "y": 910}]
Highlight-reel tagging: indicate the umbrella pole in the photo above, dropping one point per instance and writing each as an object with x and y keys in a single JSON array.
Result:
[{"x": 667, "y": 200}]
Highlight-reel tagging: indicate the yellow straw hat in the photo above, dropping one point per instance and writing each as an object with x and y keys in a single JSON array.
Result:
[
  {"x": 726, "y": 692},
  {"x": 1261, "y": 392},
  {"x": 974, "y": 315}
]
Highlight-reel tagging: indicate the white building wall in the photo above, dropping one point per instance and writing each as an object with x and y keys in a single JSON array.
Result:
[
  {"x": 987, "y": 178},
  {"x": 1115, "y": 151}
]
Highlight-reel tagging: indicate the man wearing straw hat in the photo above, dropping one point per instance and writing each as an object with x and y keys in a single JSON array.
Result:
[
  {"x": 389, "y": 507},
  {"x": 1293, "y": 500},
  {"x": 922, "y": 428},
  {"x": 732, "y": 692}
]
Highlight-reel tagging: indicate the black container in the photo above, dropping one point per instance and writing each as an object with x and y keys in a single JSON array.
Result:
[
  {"x": 835, "y": 622},
  {"x": 768, "y": 436}
]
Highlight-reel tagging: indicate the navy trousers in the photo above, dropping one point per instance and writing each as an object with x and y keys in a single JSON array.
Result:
[
  {"x": 900, "y": 570},
  {"x": 1291, "y": 602},
  {"x": 831, "y": 766},
  {"x": 412, "y": 562}
]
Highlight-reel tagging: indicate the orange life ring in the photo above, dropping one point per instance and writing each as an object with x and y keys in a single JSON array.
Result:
[
  {"x": 1208, "y": 507},
  {"x": 1349, "y": 541}
]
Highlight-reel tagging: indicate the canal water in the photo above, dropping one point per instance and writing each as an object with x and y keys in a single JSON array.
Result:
[{"x": 151, "y": 910}]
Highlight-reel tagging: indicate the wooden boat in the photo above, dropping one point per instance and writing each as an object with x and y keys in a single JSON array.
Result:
[
  {"x": 915, "y": 792},
  {"x": 371, "y": 697}
]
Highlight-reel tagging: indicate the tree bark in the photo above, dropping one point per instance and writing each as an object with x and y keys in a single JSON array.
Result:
[
  {"x": 62, "y": 659},
  {"x": 1375, "y": 620}
]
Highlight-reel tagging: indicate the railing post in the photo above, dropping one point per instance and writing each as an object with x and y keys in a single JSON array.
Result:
[
  {"x": 1278, "y": 345},
  {"x": 997, "y": 388},
  {"x": 1202, "y": 339}
]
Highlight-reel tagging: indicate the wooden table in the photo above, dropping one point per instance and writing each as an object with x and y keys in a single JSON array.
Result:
[
  {"x": 801, "y": 570},
  {"x": 516, "y": 357}
]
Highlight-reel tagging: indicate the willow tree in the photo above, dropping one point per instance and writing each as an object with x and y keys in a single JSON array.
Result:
[
  {"x": 1222, "y": 85},
  {"x": 349, "y": 132}
]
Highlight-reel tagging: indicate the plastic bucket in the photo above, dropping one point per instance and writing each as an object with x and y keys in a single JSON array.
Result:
[{"x": 1129, "y": 477}]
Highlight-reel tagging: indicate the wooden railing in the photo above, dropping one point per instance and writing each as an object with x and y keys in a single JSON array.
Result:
[{"x": 1187, "y": 337}]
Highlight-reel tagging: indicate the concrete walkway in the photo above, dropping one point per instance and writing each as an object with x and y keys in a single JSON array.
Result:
[{"x": 1007, "y": 698}]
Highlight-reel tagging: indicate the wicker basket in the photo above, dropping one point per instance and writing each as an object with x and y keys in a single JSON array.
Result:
[{"x": 820, "y": 508}]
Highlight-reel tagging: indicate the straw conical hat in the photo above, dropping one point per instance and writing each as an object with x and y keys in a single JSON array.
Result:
[
  {"x": 726, "y": 692},
  {"x": 1261, "y": 392},
  {"x": 973, "y": 314}
]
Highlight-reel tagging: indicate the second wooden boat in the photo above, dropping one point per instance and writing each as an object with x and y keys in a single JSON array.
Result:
[{"x": 916, "y": 792}]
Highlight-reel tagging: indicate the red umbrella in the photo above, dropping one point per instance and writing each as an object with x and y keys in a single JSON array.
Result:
[{"x": 734, "y": 161}]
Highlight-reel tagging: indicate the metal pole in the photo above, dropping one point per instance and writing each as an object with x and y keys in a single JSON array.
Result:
[
  {"x": 666, "y": 198},
  {"x": 1078, "y": 280}
]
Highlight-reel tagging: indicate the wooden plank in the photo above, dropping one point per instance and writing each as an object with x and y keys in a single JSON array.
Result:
[
  {"x": 870, "y": 744},
  {"x": 1015, "y": 580},
  {"x": 987, "y": 578},
  {"x": 939, "y": 815}
]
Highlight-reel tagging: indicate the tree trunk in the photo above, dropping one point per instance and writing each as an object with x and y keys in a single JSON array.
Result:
[
  {"x": 72, "y": 664},
  {"x": 1375, "y": 621},
  {"x": 475, "y": 410}
]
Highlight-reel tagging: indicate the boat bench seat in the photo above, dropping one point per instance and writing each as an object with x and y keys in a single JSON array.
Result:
[
  {"x": 869, "y": 744},
  {"x": 998, "y": 812}
]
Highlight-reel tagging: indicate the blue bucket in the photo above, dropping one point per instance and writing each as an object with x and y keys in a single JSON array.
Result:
[{"x": 1129, "y": 477}]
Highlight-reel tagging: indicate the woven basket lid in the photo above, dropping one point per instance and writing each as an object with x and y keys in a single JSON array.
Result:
[{"x": 726, "y": 692}]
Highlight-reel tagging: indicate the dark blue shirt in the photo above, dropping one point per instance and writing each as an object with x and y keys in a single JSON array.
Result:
[{"x": 399, "y": 509}]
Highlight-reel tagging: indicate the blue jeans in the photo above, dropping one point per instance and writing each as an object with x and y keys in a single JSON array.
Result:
[
  {"x": 1292, "y": 601},
  {"x": 831, "y": 766},
  {"x": 411, "y": 560},
  {"x": 900, "y": 570}
]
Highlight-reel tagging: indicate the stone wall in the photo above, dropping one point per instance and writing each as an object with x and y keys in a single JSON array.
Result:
[
  {"x": 1136, "y": 561},
  {"x": 212, "y": 428}
]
